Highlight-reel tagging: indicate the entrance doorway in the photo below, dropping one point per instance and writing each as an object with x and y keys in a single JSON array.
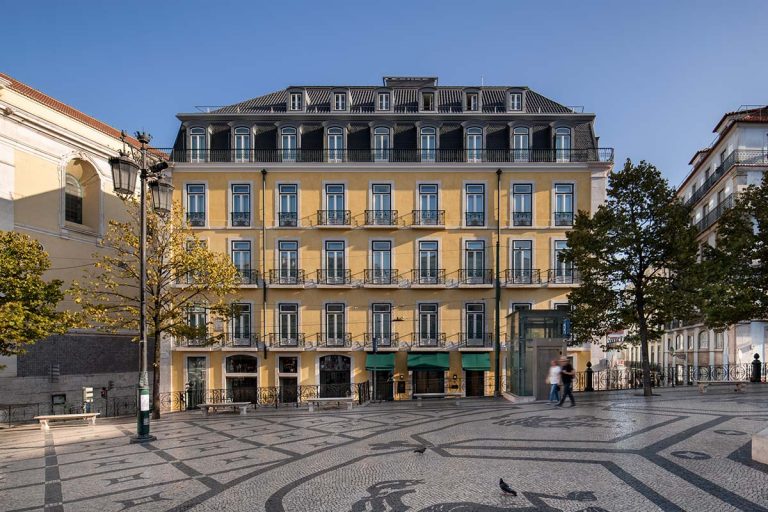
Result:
[
  {"x": 475, "y": 382},
  {"x": 428, "y": 381},
  {"x": 241, "y": 378},
  {"x": 335, "y": 378},
  {"x": 383, "y": 385},
  {"x": 288, "y": 379},
  {"x": 196, "y": 370}
]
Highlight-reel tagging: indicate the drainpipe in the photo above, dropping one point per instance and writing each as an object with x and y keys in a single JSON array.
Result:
[
  {"x": 264, "y": 259},
  {"x": 497, "y": 334}
]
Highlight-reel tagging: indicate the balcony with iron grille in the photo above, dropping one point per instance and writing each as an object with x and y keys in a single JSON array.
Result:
[
  {"x": 428, "y": 218},
  {"x": 240, "y": 219},
  {"x": 522, "y": 276},
  {"x": 201, "y": 339},
  {"x": 342, "y": 277},
  {"x": 428, "y": 276},
  {"x": 522, "y": 219},
  {"x": 294, "y": 341},
  {"x": 380, "y": 218},
  {"x": 286, "y": 277},
  {"x": 563, "y": 276},
  {"x": 381, "y": 276},
  {"x": 714, "y": 215},
  {"x": 379, "y": 341},
  {"x": 333, "y": 341},
  {"x": 474, "y": 219},
  {"x": 196, "y": 219},
  {"x": 287, "y": 219},
  {"x": 247, "y": 277},
  {"x": 563, "y": 218},
  {"x": 475, "y": 276},
  {"x": 240, "y": 340},
  {"x": 426, "y": 340},
  {"x": 739, "y": 157},
  {"x": 334, "y": 218},
  {"x": 475, "y": 340}
]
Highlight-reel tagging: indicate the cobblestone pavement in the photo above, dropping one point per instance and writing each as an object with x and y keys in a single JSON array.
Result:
[{"x": 614, "y": 451}]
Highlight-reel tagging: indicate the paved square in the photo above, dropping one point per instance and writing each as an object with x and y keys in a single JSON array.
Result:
[{"x": 614, "y": 451}]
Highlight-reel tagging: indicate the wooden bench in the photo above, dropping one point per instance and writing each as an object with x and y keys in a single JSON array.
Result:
[
  {"x": 215, "y": 406},
  {"x": 317, "y": 401},
  {"x": 704, "y": 384},
  {"x": 419, "y": 396},
  {"x": 90, "y": 417}
]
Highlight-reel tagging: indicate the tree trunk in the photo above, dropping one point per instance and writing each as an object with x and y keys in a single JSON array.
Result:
[
  {"x": 156, "y": 377},
  {"x": 643, "y": 327}
]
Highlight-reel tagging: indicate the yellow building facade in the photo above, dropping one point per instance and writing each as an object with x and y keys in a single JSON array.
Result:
[{"x": 365, "y": 230}]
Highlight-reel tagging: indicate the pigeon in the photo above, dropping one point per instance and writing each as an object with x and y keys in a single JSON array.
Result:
[
  {"x": 420, "y": 450},
  {"x": 505, "y": 488}
]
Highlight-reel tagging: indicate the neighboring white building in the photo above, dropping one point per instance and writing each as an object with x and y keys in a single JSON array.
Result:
[{"x": 736, "y": 159}]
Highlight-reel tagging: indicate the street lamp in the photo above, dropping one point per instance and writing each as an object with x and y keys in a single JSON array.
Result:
[{"x": 125, "y": 169}]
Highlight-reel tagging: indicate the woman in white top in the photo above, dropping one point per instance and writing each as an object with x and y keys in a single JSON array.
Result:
[{"x": 553, "y": 379}]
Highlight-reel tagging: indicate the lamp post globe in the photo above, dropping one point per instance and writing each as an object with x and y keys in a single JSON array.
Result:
[{"x": 124, "y": 174}]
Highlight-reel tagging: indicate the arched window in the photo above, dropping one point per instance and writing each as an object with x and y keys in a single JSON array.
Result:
[
  {"x": 563, "y": 144},
  {"x": 381, "y": 144},
  {"x": 428, "y": 144},
  {"x": 197, "y": 145},
  {"x": 704, "y": 340},
  {"x": 73, "y": 200},
  {"x": 719, "y": 340},
  {"x": 242, "y": 144},
  {"x": 288, "y": 143},
  {"x": 474, "y": 144},
  {"x": 335, "y": 144},
  {"x": 520, "y": 144},
  {"x": 678, "y": 342}
]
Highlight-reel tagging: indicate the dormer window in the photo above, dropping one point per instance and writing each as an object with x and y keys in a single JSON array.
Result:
[
  {"x": 340, "y": 101},
  {"x": 296, "y": 101},
  {"x": 383, "y": 101},
  {"x": 428, "y": 101},
  {"x": 473, "y": 102},
  {"x": 516, "y": 101}
]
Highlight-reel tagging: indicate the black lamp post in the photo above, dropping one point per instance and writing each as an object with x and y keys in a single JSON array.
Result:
[{"x": 125, "y": 169}]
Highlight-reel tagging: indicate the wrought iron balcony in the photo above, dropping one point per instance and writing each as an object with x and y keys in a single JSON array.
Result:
[
  {"x": 297, "y": 155},
  {"x": 713, "y": 216},
  {"x": 325, "y": 340},
  {"x": 563, "y": 218},
  {"x": 288, "y": 219},
  {"x": 424, "y": 340},
  {"x": 563, "y": 276},
  {"x": 247, "y": 276},
  {"x": 737, "y": 157},
  {"x": 336, "y": 277},
  {"x": 286, "y": 276},
  {"x": 334, "y": 217},
  {"x": 522, "y": 276},
  {"x": 381, "y": 217},
  {"x": 381, "y": 276},
  {"x": 241, "y": 219},
  {"x": 428, "y": 276},
  {"x": 475, "y": 276},
  {"x": 241, "y": 340},
  {"x": 476, "y": 339},
  {"x": 475, "y": 218},
  {"x": 280, "y": 340},
  {"x": 522, "y": 218},
  {"x": 379, "y": 340},
  {"x": 428, "y": 217},
  {"x": 196, "y": 342},
  {"x": 196, "y": 219}
]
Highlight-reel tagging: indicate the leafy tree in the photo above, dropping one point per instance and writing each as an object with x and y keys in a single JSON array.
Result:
[
  {"x": 181, "y": 273},
  {"x": 734, "y": 278},
  {"x": 634, "y": 255},
  {"x": 27, "y": 302}
]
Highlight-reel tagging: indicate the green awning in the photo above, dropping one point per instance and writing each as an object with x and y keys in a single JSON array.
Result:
[
  {"x": 428, "y": 361},
  {"x": 380, "y": 361},
  {"x": 476, "y": 361}
]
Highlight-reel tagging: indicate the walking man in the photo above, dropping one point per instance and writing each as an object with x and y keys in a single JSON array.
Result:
[
  {"x": 566, "y": 377},
  {"x": 553, "y": 379}
]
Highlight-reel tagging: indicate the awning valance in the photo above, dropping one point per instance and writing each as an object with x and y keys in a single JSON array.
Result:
[
  {"x": 428, "y": 361},
  {"x": 380, "y": 361},
  {"x": 476, "y": 361}
]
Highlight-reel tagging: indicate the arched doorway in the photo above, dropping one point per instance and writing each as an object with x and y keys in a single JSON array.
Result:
[
  {"x": 241, "y": 378},
  {"x": 335, "y": 376}
]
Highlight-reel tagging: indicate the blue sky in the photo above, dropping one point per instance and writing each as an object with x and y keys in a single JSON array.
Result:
[{"x": 658, "y": 74}]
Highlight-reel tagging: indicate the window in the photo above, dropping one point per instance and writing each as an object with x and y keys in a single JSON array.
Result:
[
  {"x": 521, "y": 306},
  {"x": 704, "y": 340},
  {"x": 196, "y": 204},
  {"x": 475, "y": 197},
  {"x": 563, "y": 269},
  {"x": 242, "y": 144},
  {"x": 241, "y": 324},
  {"x": 381, "y": 199},
  {"x": 383, "y": 101},
  {"x": 428, "y": 271},
  {"x": 473, "y": 103},
  {"x": 679, "y": 342},
  {"x": 288, "y": 262},
  {"x": 334, "y": 324},
  {"x": 296, "y": 101},
  {"x": 197, "y": 322},
  {"x": 475, "y": 322},
  {"x": 522, "y": 204},
  {"x": 474, "y": 261},
  {"x": 241, "y": 259},
  {"x": 428, "y": 212},
  {"x": 563, "y": 144},
  {"x": 73, "y": 200},
  {"x": 428, "y": 335},
  {"x": 428, "y": 144},
  {"x": 334, "y": 205},
  {"x": 563, "y": 204},
  {"x": 520, "y": 145},
  {"x": 197, "y": 145},
  {"x": 241, "y": 205},
  {"x": 288, "y": 324},
  {"x": 335, "y": 144},
  {"x": 522, "y": 261},
  {"x": 335, "y": 268},
  {"x": 563, "y": 307},
  {"x": 516, "y": 101},
  {"x": 381, "y": 144},
  {"x": 288, "y": 203},
  {"x": 428, "y": 101},
  {"x": 381, "y": 325},
  {"x": 381, "y": 262},
  {"x": 288, "y": 144},
  {"x": 719, "y": 340},
  {"x": 690, "y": 343},
  {"x": 340, "y": 101},
  {"x": 474, "y": 144},
  {"x": 722, "y": 156}
]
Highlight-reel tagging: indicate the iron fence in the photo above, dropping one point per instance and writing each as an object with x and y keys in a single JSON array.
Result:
[{"x": 14, "y": 414}]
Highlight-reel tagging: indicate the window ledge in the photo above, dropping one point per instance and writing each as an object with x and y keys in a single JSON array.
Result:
[{"x": 79, "y": 228}]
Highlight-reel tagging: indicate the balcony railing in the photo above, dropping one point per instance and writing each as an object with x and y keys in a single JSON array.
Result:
[
  {"x": 280, "y": 340},
  {"x": 287, "y": 219},
  {"x": 334, "y": 217},
  {"x": 737, "y": 157},
  {"x": 286, "y": 276},
  {"x": 476, "y": 340},
  {"x": 428, "y": 217},
  {"x": 522, "y": 218},
  {"x": 325, "y": 340},
  {"x": 475, "y": 276},
  {"x": 381, "y": 217},
  {"x": 335, "y": 277},
  {"x": 563, "y": 276},
  {"x": 291, "y": 155},
  {"x": 381, "y": 340},
  {"x": 241, "y": 340},
  {"x": 381, "y": 276},
  {"x": 197, "y": 341},
  {"x": 475, "y": 218},
  {"x": 428, "y": 276},
  {"x": 196, "y": 219},
  {"x": 713, "y": 216},
  {"x": 563, "y": 218},
  {"x": 522, "y": 276},
  {"x": 240, "y": 219},
  {"x": 247, "y": 276},
  {"x": 422, "y": 340}
]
